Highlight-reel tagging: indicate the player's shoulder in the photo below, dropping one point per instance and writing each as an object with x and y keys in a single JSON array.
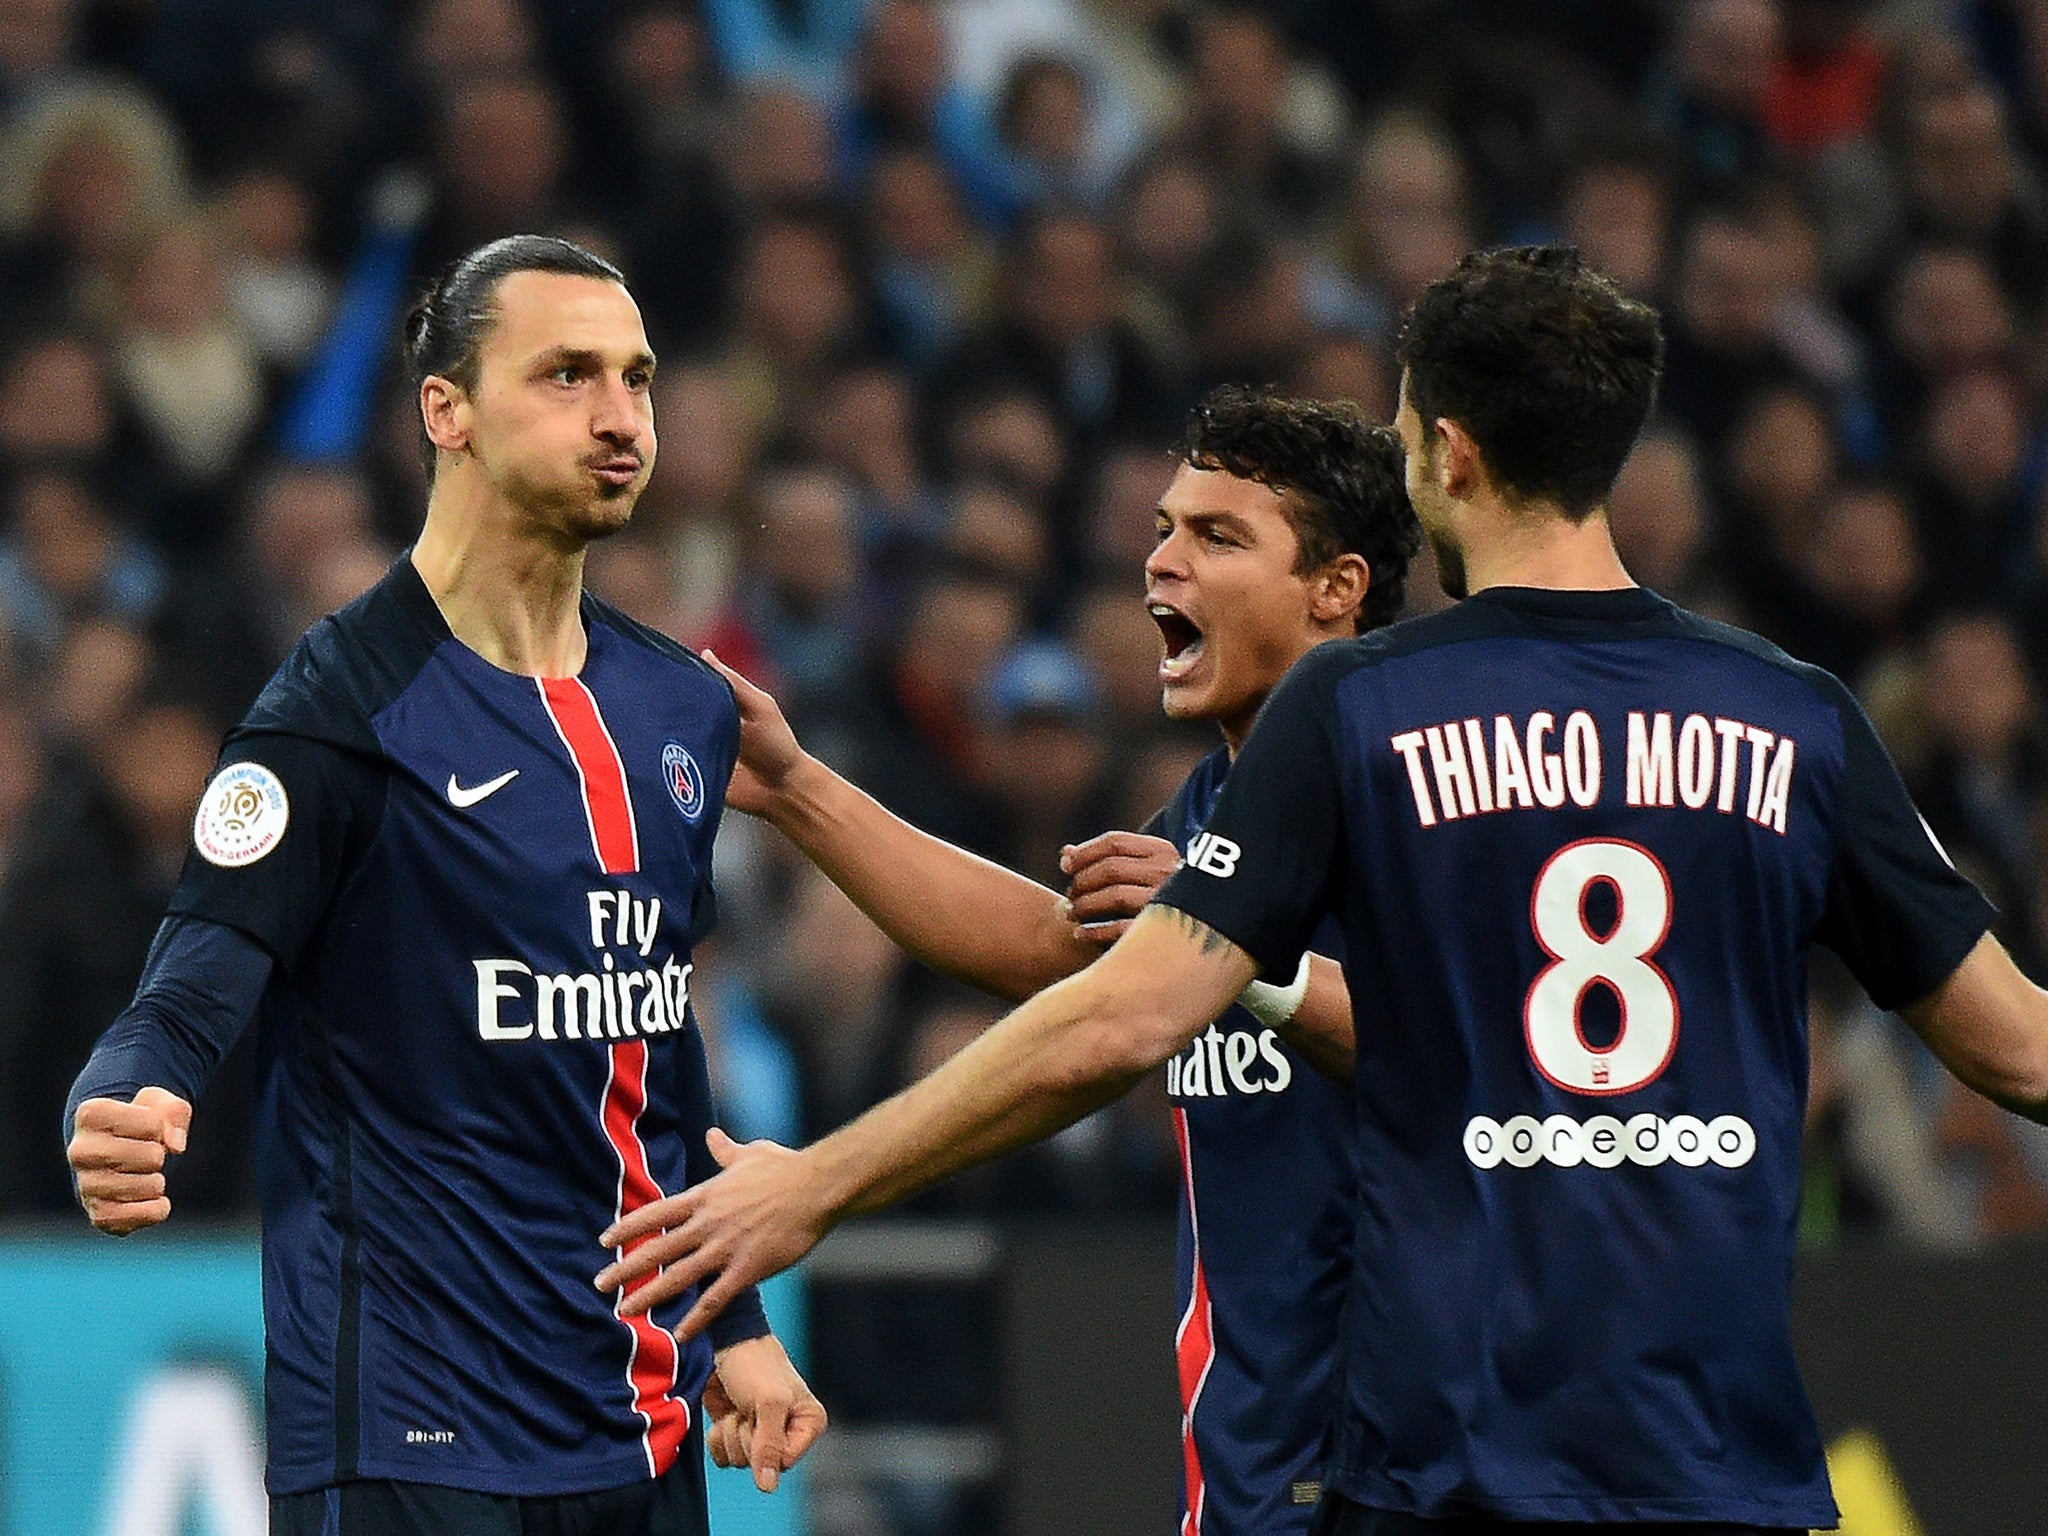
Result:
[
  {"x": 1831, "y": 690},
  {"x": 1711, "y": 631},
  {"x": 659, "y": 648},
  {"x": 349, "y": 665},
  {"x": 1191, "y": 804}
]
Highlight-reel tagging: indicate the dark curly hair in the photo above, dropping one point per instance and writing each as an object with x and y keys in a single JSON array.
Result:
[
  {"x": 445, "y": 330},
  {"x": 1547, "y": 364},
  {"x": 1340, "y": 479}
]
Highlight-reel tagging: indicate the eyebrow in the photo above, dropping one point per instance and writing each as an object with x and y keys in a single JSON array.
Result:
[
  {"x": 1230, "y": 522},
  {"x": 585, "y": 357}
]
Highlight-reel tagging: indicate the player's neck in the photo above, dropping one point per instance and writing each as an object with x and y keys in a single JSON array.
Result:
[
  {"x": 1532, "y": 547},
  {"x": 1237, "y": 727},
  {"x": 511, "y": 596}
]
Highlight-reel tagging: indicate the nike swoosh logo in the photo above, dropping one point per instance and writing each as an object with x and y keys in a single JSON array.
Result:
[{"x": 462, "y": 798}]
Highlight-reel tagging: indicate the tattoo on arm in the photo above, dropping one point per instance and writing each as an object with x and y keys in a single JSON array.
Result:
[{"x": 1196, "y": 929}]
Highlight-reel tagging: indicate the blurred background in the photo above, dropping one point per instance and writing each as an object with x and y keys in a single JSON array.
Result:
[{"x": 933, "y": 282}]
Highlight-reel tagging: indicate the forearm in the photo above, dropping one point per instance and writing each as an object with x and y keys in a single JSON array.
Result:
[
  {"x": 1044, "y": 1067},
  {"x": 951, "y": 910},
  {"x": 200, "y": 987},
  {"x": 1071, "y": 1049},
  {"x": 1321, "y": 1030}
]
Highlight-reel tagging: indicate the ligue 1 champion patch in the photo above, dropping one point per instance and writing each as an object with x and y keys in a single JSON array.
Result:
[
  {"x": 685, "y": 780},
  {"x": 242, "y": 815}
]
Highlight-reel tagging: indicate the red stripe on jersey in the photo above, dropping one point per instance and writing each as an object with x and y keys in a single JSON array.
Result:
[
  {"x": 599, "y": 768},
  {"x": 656, "y": 1360},
  {"x": 1194, "y": 1344}
]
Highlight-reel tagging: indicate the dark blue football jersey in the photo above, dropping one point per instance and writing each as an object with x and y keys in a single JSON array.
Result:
[
  {"x": 1580, "y": 843},
  {"x": 480, "y": 891},
  {"x": 1269, "y": 1199}
]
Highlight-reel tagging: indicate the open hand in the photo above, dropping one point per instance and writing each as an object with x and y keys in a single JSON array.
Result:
[
  {"x": 755, "y": 1219},
  {"x": 1111, "y": 877},
  {"x": 117, "y": 1154},
  {"x": 759, "y": 1412},
  {"x": 768, "y": 747}
]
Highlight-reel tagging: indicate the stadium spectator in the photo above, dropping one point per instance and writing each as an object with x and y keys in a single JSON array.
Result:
[
  {"x": 1711, "y": 94},
  {"x": 1662, "y": 520},
  {"x": 1061, "y": 333},
  {"x": 930, "y": 270},
  {"x": 1616, "y": 206}
]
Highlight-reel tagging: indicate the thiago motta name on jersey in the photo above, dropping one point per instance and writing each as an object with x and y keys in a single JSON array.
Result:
[
  {"x": 1465, "y": 768},
  {"x": 616, "y": 1001}
]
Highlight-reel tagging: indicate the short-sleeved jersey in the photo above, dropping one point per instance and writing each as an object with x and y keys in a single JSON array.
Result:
[
  {"x": 476, "y": 1049},
  {"x": 1269, "y": 1200},
  {"x": 1580, "y": 843}
]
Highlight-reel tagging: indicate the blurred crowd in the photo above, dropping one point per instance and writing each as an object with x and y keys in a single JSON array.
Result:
[{"x": 933, "y": 282}]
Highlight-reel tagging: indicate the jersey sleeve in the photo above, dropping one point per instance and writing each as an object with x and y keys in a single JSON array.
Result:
[
  {"x": 200, "y": 987},
  {"x": 1898, "y": 913},
  {"x": 275, "y": 832},
  {"x": 1261, "y": 870}
]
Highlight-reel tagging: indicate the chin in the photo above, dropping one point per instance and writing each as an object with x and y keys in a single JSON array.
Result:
[
  {"x": 1198, "y": 703},
  {"x": 602, "y": 519}
]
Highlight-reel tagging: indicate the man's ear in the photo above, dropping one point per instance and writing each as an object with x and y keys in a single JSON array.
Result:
[
  {"x": 1460, "y": 466},
  {"x": 447, "y": 413},
  {"x": 1340, "y": 590}
]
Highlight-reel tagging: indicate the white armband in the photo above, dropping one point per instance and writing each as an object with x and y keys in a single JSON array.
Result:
[{"x": 1274, "y": 1006}]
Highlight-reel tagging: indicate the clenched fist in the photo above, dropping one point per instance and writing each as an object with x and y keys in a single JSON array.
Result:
[{"x": 117, "y": 1154}]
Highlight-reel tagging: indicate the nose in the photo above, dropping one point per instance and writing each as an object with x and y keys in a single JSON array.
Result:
[
  {"x": 616, "y": 414},
  {"x": 1166, "y": 559}
]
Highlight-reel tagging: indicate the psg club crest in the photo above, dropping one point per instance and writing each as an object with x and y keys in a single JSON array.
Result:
[{"x": 685, "y": 780}]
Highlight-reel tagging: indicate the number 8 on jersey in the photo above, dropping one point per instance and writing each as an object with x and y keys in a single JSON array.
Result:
[{"x": 1619, "y": 960}]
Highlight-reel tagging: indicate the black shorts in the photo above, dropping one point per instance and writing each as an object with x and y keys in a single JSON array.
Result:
[
  {"x": 671, "y": 1505},
  {"x": 1338, "y": 1516}
]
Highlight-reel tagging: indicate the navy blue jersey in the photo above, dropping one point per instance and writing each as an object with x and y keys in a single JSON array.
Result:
[
  {"x": 1269, "y": 1198},
  {"x": 1580, "y": 844},
  {"x": 480, "y": 892}
]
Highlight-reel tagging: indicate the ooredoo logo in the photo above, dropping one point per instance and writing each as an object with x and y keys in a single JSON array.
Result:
[
  {"x": 1727, "y": 1141},
  {"x": 242, "y": 816}
]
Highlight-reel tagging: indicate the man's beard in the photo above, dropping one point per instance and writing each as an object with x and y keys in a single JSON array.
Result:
[
  {"x": 607, "y": 515},
  {"x": 599, "y": 517},
  {"x": 1450, "y": 568}
]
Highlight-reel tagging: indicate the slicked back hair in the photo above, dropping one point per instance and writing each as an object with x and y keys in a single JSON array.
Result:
[
  {"x": 1340, "y": 480},
  {"x": 1549, "y": 366},
  {"x": 446, "y": 329}
]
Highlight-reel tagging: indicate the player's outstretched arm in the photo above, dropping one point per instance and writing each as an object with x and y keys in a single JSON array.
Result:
[
  {"x": 131, "y": 1106},
  {"x": 1068, "y": 1051},
  {"x": 950, "y": 909},
  {"x": 759, "y": 1411},
  {"x": 1111, "y": 877},
  {"x": 117, "y": 1153},
  {"x": 1989, "y": 1025}
]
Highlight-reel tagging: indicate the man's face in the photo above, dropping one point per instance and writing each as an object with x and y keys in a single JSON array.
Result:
[
  {"x": 561, "y": 421},
  {"x": 1232, "y": 611},
  {"x": 1432, "y": 505}
]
